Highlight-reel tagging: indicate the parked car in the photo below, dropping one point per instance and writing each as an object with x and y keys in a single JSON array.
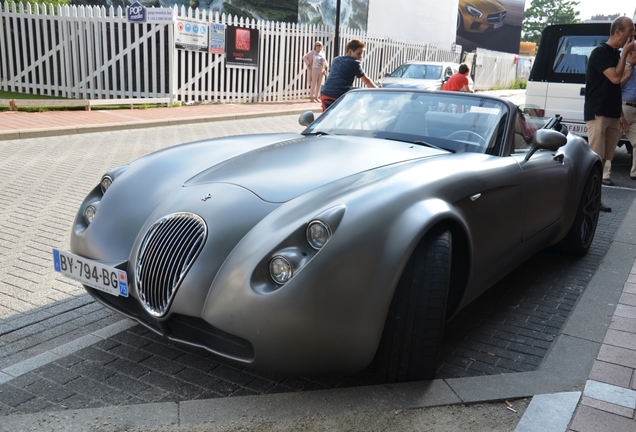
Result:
[
  {"x": 425, "y": 75},
  {"x": 478, "y": 16},
  {"x": 350, "y": 243}
]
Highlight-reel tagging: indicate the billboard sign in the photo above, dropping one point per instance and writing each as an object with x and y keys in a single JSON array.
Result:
[
  {"x": 138, "y": 13},
  {"x": 191, "y": 34},
  {"x": 490, "y": 24},
  {"x": 217, "y": 38},
  {"x": 241, "y": 46}
]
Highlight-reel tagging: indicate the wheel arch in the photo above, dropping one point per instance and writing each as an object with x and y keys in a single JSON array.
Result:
[{"x": 461, "y": 259}]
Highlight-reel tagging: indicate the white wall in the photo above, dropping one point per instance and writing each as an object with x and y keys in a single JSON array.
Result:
[{"x": 428, "y": 21}]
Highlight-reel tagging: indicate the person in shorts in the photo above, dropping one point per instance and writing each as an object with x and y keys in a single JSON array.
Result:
[
  {"x": 603, "y": 100},
  {"x": 344, "y": 69}
]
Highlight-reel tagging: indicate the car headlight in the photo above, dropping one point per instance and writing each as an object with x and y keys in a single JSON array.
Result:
[
  {"x": 474, "y": 12},
  {"x": 318, "y": 233},
  {"x": 89, "y": 214},
  {"x": 280, "y": 269},
  {"x": 105, "y": 183}
]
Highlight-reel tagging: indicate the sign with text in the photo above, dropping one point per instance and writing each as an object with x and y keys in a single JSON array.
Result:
[
  {"x": 159, "y": 15},
  {"x": 217, "y": 38},
  {"x": 190, "y": 34},
  {"x": 138, "y": 13},
  {"x": 241, "y": 46}
]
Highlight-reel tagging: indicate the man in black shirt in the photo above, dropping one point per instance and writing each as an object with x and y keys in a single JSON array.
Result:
[{"x": 603, "y": 101}]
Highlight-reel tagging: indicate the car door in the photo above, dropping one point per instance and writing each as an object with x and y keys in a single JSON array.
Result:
[
  {"x": 492, "y": 206},
  {"x": 546, "y": 178}
]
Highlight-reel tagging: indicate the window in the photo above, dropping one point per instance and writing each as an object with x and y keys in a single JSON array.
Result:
[{"x": 573, "y": 52}]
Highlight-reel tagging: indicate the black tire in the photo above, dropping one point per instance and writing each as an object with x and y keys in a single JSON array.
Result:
[
  {"x": 581, "y": 234},
  {"x": 412, "y": 337}
]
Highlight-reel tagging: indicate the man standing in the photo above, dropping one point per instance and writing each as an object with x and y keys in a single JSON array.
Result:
[
  {"x": 628, "y": 121},
  {"x": 459, "y": 81},
  {"x": 344, "y": 69},
  {"x": 603, "y": 102}
]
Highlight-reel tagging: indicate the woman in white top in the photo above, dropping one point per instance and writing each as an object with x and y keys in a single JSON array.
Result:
[{"x": 316, "y": 64}]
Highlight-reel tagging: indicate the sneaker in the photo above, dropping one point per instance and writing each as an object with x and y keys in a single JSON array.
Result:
[
  {"x": 608, "y": 182},
  {"x": 605, "y": 208}
]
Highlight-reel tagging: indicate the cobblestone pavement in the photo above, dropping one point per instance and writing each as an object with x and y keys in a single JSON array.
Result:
[{"x": 55, "y": 332}]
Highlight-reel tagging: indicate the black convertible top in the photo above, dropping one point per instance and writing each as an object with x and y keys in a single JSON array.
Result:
[{"x": 543, "y": 70}]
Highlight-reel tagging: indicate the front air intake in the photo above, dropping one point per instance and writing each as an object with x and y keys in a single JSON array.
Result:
[{"x": 167, "y": 252}]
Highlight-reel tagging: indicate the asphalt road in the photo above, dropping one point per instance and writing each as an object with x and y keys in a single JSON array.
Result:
[{"x": 115, "y": 362}]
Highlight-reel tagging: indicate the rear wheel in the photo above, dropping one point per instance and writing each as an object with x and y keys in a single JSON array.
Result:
[
  {"x": 411, "y": 342},
  {"x": 581, "y": 234}
]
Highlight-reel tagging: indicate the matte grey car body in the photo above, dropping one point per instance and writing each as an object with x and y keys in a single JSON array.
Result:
[{"x": 378, "y": 177}]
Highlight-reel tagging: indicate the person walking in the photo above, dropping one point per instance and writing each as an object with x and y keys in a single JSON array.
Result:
[
  {"x": 344, "y": 69},
  {"x": 603, "y": 100},
  {"x": 628, "y": 120},
  {"x": 459, "y": 80},
  {"x": 316, "y": 64}
]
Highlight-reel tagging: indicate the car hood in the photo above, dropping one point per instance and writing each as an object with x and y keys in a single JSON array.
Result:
[
  {"x": 426, "y": 84},
  {"x": 284, "y": 170}
]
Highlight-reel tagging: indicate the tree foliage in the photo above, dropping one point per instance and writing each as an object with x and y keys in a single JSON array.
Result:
[
  {"x": 54, "y": 3},
  {"x": 542, "y": 13}
]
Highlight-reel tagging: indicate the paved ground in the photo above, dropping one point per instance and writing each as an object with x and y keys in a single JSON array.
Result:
[{"x": 60, "y": 351}]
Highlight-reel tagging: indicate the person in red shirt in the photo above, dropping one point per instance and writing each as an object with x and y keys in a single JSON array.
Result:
[{"x": 459, "y": 81}]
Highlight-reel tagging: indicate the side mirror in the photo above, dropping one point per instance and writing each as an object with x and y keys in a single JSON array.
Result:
[
  {"x": 306, "y": 118},
  {"x": 546, "y": 139}
]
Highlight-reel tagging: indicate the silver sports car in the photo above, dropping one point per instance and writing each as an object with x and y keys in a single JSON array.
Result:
[{"x": 351, "y": 243}]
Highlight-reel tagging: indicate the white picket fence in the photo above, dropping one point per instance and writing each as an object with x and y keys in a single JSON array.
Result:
[{"x": 85, "y": 52}]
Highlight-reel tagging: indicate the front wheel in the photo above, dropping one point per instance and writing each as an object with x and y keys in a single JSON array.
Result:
[
  {"x": 412, "y": 338},
  {"x": 581, "y": 234}
]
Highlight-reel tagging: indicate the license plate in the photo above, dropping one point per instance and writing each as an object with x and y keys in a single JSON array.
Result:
[
  {"x": 579, "y": 129},
  {"x": 91, "y": 273},
  {"x": 498, "y": 25}
]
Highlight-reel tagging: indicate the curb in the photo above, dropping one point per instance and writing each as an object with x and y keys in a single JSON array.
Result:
[{"x": 81, "y": 129}]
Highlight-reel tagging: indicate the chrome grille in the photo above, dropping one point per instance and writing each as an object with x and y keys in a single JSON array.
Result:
[
  {"x": 166, "y": 253},
  {"x": 497, "y": 17}
]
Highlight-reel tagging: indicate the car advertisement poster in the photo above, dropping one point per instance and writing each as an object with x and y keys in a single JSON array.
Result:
[
  {"x": 490, "y": 24},
  {"x": 241, "y": 47},
  {"x": 190, "y": 34},
  {"x": 217, "y": 38}
]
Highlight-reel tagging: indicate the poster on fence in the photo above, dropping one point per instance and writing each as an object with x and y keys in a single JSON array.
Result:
[
  {"x": 241, "y": 46},
  {"x": 190, "y": 34},
  {"x": 217, "y": 38}
]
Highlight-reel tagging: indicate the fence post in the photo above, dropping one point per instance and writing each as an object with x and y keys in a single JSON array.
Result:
[{"x": 172, "y": 60}]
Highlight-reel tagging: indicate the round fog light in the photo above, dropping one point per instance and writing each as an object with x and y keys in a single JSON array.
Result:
[
  {"x": 280, "y": 269},
  {"x": 105, "y": 183},
  {"x": 89, "y": 214},
  {"x": 318, "y": 233}
]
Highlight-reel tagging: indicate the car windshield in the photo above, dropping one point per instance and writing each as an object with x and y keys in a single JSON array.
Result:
[
  {"x": 418, "y": 71},
  {"x": 456, "y": 122}
]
